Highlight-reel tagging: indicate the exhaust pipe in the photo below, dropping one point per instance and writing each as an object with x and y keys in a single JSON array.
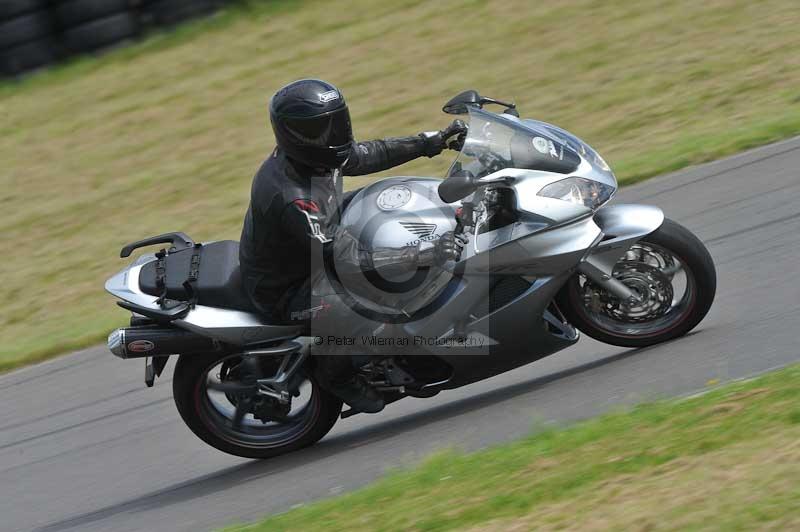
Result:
[{"x": 149, "y": 341}]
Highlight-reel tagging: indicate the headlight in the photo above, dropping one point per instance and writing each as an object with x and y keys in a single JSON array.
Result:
[{"x": 591, "y": 194}]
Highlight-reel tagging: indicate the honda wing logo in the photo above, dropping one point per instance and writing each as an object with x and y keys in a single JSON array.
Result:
[
  {"x": 420, "y": 229},
  {"x": 423, "y": 232}
]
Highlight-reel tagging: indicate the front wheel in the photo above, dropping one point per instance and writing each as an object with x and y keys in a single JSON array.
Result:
[
  {"x": 672, "y": 273},
  {"x": 216, "y": 397}
]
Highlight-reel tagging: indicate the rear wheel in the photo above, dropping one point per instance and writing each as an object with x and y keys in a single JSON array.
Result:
[
  {"x": 71, "y": 13},
  {"x": 169, "y": 12},
  {"x": 217, "y": 398},
  {"x": 100, "y": 33},
  {"x": 27, "y": 28},
  {"x": 27, "y": 56},
  {"x": 672, "y": 273},
  {"x": 10, "y": 9}
]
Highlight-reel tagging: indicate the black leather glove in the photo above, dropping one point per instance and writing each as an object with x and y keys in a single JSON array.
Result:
[
  {"x": 454, "y": 135},
  {"x": 448, "y": 247},
  {"x": 450, "y": 137}
]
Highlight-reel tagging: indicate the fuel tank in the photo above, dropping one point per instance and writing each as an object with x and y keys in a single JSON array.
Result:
[{"x": 395, "y": 214}]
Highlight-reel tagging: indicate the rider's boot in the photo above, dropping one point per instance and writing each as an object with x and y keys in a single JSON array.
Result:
[
  {"x": 338, "y": 375},
  {"x": 360, "y": 396}
]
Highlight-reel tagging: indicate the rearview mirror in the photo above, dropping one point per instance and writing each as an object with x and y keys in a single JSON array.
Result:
[
  {"x": 458, "y": 104},
  {"x": 456, "y": 187}
]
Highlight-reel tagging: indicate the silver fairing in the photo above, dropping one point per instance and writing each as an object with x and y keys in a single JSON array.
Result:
[
  {"x": 504, "y": 142},
  {"x": 592, "y": 165}
]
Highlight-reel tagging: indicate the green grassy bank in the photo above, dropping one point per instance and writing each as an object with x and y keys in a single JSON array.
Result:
[{"x": 726, "y": 460}]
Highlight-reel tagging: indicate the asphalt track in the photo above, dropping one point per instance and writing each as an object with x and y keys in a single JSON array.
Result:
[{"x": 85, "y": 446}]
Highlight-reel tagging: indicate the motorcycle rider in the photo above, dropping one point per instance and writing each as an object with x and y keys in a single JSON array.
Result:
[{"x": 295, "y": 207}]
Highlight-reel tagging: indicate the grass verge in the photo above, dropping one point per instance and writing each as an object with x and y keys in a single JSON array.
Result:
[
  {"x": 166, "y": 135},
  {"x": 726, "y": 460}
]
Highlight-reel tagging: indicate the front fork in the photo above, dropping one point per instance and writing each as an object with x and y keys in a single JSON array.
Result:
[{"x": 606, "y": 280}]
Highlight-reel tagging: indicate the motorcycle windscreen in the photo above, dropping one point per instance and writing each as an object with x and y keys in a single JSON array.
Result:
[{"x": 495, "y": 142}]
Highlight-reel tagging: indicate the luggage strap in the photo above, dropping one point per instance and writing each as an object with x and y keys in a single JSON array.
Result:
[
  {"x": 161, "y": 276},
  {"x": 190, "y": 284}
]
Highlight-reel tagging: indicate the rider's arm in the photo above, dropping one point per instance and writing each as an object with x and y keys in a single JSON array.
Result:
[
  {"x": 351, "y": 259},
  {"x": 301, "y": 221},
  {"x": 376, "y": 155},
  {"x": 388, "y": 261}
]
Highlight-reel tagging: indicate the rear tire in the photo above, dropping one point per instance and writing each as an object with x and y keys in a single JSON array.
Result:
[
  {"x": 26, "y": 28},
  {"x": 101, "y": 33},
  {"x": 191, "y": 398},
  {"x": 26, "y": 57},
  {"x": 170, "y": 12},
  {"x": 701, "y": 275},
  {"x": 72, "y": 13},
  {"x": 10, "y": 9}
]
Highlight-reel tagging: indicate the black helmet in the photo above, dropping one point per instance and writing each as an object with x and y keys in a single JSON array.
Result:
[{"x": 312, "y": 123}]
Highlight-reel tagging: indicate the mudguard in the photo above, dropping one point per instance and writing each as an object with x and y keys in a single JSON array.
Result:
[{"x": 622, "y": 226}]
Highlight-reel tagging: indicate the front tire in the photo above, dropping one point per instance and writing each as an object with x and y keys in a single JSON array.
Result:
[
  {"x": 208, "y": 412},
  {"x": 650, "y": 268}
]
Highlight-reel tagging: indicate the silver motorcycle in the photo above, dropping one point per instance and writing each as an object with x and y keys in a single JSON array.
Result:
[{"x": 545, "y": 256}]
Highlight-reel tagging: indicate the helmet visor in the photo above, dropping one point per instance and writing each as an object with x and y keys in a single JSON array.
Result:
[{"x": 332, "y": 129}]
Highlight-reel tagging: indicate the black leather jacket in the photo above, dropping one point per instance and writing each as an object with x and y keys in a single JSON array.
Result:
[{"x": 294, "y": 216}]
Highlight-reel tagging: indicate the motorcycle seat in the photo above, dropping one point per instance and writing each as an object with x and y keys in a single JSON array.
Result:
[{"x": 219, "y": 283}]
